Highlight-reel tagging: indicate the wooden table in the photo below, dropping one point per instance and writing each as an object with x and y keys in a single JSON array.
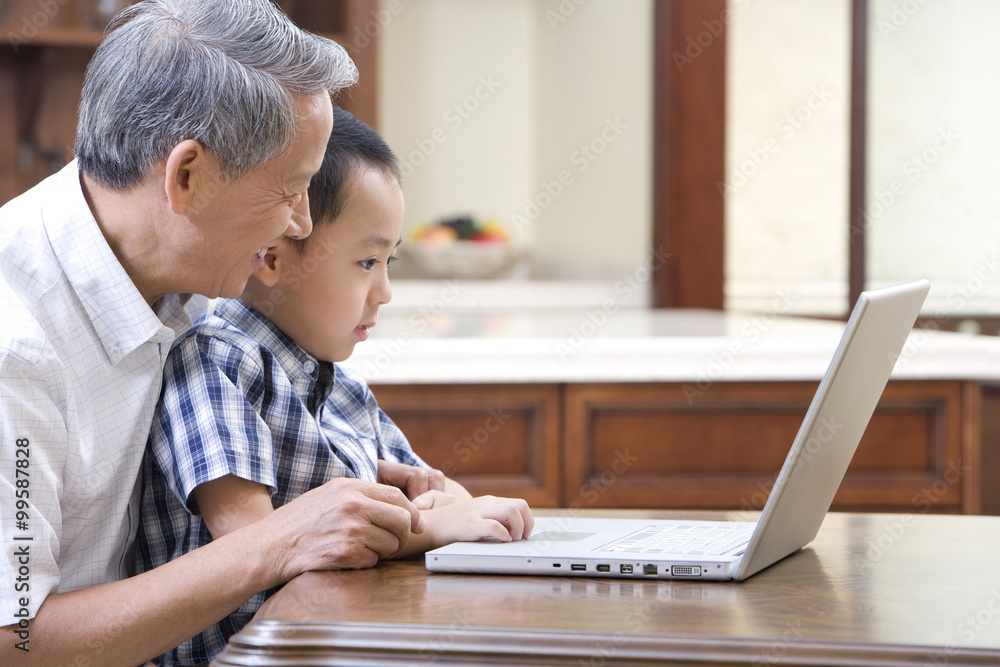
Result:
[{"x": 872, "y": 589}]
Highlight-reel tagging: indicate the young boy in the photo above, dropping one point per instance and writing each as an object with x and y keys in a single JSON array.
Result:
[{"x": 255, "y": 413}]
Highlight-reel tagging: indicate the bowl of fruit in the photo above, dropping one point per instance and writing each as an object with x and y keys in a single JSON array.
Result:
[{"x": 462, "y": 247}]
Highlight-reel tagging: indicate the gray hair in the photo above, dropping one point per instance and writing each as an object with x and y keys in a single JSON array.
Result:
[{"x": 221, "y": 72}]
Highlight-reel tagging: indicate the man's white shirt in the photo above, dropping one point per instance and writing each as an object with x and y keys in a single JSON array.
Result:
[{"x": 81, "y": 362}]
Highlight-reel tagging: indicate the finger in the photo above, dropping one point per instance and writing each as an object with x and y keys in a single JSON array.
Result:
[
  {"x": 529, "y": 521},
  {"x": 392, "y": 511},
  {"x": 383, "y": 543},
  {"x": 425, "y": 501},
  {"x": 416, "y": 483},
  {"x": 435, "y": 479},
  {"x": 514, "y": 521},
  {"x": 390, "y": 495},
  {"x": 495, "y": 529}
]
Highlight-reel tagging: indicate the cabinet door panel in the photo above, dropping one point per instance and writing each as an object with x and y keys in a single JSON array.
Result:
[
  {"x": 497, "y": 439},
  {"x": 648, "y": 446}
]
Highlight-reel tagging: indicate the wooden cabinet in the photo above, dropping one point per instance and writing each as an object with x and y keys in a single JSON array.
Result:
[
  {"x": 500, "y": 439},
  {"x": 48, "y": 43},
  {"x": 636, "y": 445}
]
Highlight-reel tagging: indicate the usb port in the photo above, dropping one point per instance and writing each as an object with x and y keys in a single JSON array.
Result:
[
  {"x": 578, "y": 567},
  {"x": 626, "y": 569},
  {"x": 649, "y": 569},
  {"x": 603, "y": 568}
]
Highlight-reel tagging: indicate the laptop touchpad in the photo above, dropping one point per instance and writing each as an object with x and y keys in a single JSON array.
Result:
[{"x": 560, "y": 536}]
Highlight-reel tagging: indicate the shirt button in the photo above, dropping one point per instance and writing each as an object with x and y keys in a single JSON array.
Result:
[{"x": 309, "y": 366}]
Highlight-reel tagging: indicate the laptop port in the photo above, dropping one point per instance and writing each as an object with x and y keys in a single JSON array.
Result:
[
  {"x": 649, "y": 569},
  {"x": 603, "y": 568},
  {"x": 686, "y": 570},
  {"x": 556, "y": 564},
  {"x": 578, "y": 567},
  {"x": 626, "y": 569}
]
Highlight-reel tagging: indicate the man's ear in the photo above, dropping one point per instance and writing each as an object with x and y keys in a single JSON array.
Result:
[{"x": 191, "y": 177}]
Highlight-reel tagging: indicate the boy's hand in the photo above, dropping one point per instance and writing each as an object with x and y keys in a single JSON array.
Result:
[
  {"x": 434, "y": 498},
  {"x": 412, "y": 480},
  {"x": 504, "y": 519}
]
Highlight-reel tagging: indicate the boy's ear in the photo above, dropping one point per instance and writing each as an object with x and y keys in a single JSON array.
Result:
[
  {"x": 276, "y": 262},
  {"x": 190, "y": 173}
]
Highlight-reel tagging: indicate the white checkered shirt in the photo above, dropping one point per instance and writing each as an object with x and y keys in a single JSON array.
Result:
[
  {"x": 241, "y": 398},
  {"x": 81, "y": 359}
]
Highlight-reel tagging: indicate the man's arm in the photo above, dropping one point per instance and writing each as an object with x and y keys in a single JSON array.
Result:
[{"x": 346, "y": 523}]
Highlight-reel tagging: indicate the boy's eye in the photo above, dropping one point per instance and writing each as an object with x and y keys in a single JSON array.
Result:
[
  {"x": 367, "y": 263},
  {"x": 390, "y": 261}
]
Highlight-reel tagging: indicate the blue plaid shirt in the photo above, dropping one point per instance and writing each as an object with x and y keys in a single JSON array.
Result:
[{"x": 241, "y": 398}]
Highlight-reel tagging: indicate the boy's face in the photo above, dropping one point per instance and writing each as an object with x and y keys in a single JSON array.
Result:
[{"x": 331, "y": 293}]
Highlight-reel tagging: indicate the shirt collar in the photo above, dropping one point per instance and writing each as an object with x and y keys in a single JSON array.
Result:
[
  {"x": 120, "y": 316},
  {"x": 302, "y": 369}
]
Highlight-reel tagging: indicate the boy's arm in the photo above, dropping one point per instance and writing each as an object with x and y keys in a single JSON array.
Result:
[
  {"x": 346, "y": 523},
  {"x": 230, "y": 503}
]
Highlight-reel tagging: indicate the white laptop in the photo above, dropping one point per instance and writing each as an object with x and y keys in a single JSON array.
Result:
[{"x": 720, "y": 550}]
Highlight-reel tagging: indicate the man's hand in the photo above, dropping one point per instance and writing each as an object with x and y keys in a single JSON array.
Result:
[
  {"x": 413, "y": 480},
  {"x": 345, "y": 524}
]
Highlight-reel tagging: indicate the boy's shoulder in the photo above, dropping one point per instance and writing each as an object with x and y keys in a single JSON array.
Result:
[{"x": 217, "y": 335}]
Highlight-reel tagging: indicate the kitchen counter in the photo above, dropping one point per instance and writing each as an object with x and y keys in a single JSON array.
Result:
[{"x": 462, "y": 344}]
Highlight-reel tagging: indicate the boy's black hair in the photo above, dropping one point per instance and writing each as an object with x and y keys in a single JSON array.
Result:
[{"x": 352, "y": 146}]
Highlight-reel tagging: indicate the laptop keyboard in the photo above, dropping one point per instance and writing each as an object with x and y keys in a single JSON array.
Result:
[{"x": 690, "y": 539}]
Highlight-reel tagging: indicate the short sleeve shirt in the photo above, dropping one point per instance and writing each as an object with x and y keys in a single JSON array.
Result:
[
  {"x": 241, "y": 398},
  {"x": 81, "y": 361}
]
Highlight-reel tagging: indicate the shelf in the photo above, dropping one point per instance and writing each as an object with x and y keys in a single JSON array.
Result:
[{"x": 60, "y": 37}]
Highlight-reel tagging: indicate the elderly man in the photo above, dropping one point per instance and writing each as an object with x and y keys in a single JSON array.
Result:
[{"x": 201, "y": 125}]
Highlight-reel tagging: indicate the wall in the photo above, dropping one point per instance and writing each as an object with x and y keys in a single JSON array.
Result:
[
  {"x": 537, "y": 113},
  {"x": 933, "y": 207}
]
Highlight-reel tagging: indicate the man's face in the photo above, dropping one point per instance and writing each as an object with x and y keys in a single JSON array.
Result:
[
  {"x": 237, "y": 222},
  {"x": 331, "y": 293}
]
